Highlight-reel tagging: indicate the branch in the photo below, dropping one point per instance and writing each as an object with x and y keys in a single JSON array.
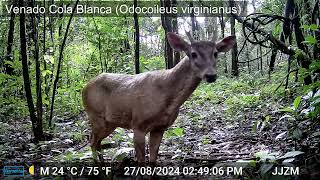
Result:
[
  {"x": 257, "y": 57},
  {"x": 277, "y": 43}
]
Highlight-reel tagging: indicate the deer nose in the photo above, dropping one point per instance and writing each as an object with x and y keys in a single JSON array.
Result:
[{"x": 210, "y": 78}]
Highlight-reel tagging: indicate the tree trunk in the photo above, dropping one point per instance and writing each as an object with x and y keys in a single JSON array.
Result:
[
  {"x": 299, "y": 40},
  {"x": 257, "y": 54},
  {"x": 261, "y": 60},
  {"x": 55, "y": 83},
  {"x": 137, "y": 40},
  {"x": 272, "y": 60},
  {"x": 167, "y": 26},
  {"x": 222, "y": 24},
  {"x": 176, "y": 55},
  {"x": 285, "y": 34},
  {"x": 125, "y": 43},
  {"x": 99, "y": 46},
  {"x": 234, "y": 52},
  {"x": 35, "y": 37},
  {"x": 194, "y": 24},
  {"x": 314, "y": 19},
  {"x": 248, "y": 62},
  {"x": 47, "y": 88},
  {"x": 9, "y": 57},
  {"x": 37, "y": 130}
]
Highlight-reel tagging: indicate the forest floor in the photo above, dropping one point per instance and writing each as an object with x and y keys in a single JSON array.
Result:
[{"x": 226, "y": 122}]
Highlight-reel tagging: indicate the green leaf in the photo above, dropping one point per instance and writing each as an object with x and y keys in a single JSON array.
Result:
[
  {"x": 297, "y": 133},
  {"x": 261, "y": 154},
  {"x": 305, "y": 26},
  {"x": 46, "y": 72},
  {"x": 297, "y": 102},
  {"x": 291, "y": 154},
  {"x": 310, "y": 40},
  {"x": 121, "y": 154},
  {"x": 289, "y": 160},
  {"x": 9, "y": 63},
  {"x": 281, "y": 135},
  {"x": 178, "y": 132},
  {"x": 315, "y": 65},
  {"x": 277, "y": 30},
  {"x": 287, "y": 109},
  {"x": 267, "y": 118},
  {"x": 313, "y": 27},
  {"x": 265, "y": 168},
  {"x": 286, "y": 116}
]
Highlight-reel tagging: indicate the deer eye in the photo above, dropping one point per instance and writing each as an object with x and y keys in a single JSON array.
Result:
[
  {"x": 215, "y": 54},
  {"x": 194, "y": 55}
]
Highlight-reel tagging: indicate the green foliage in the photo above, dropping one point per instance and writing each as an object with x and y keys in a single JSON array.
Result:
[
  {"x": 174, "y": 132},
  {"x": 79, "y": 135},
  {"x": 151, "y": 64},
  {"x": 245, "y": 101},
  {"x": 12, "y": 99}
]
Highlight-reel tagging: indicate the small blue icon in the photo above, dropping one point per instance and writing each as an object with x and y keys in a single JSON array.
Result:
[{"x": 13, "y": 171}]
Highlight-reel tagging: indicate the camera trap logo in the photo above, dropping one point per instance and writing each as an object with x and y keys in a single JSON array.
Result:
[{"x": 13, "y": 171}]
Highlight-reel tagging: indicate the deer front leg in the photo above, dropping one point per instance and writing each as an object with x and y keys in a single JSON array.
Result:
[
  {"x": 155, "y": 140},
  {"x": 139, "y": 145}
]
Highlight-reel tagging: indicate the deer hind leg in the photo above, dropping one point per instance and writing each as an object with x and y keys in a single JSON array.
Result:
[
  {"x": 155, "y": 140},
  {"x": 97, "y": 135}
]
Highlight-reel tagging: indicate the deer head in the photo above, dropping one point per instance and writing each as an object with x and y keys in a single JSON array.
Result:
[{"x": 202, "y": 54}]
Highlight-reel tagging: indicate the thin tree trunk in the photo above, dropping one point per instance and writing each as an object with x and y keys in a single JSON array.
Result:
[
  {"x": 37, "y": 130},
  {"x": 47, "y": 88},
  {"x": 34, "y": 21},
  {"x": 9, "y": 57},
  {"x": 248, "y": 57},
  {"x": 99, "y": 47},
  {"x": 257, "y": 54},
  {"x": 314, "y": 19},
  {"x": 234, "y": 52},
  {"x": 55, "y": 83},
  {"x": 137, "y": 40},
  {"x": 194, "y": 24},
  {"x": 288, "y": 71},
  {"x": 51, "y": 28},
  {"x": 272, "y": 60},
  {"x": 261, "y": 60},
  {"x": 222, "y": 24},
  {"x": 176, "y": 55},
  {"x": 167, "y": 26}
]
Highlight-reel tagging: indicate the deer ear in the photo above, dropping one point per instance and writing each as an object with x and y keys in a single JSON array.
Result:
[
  {"x": 177, "y": 43},
  {"x": 226, "y": 44}
]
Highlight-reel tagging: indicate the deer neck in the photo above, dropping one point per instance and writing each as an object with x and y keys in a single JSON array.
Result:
[{"x": 183, "y": 81}]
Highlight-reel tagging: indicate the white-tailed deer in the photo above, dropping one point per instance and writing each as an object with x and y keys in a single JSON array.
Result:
[{"x": 150, "y": 102}]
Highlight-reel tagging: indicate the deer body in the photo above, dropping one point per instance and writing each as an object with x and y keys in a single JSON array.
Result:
[{"x": 147, "y": 102}]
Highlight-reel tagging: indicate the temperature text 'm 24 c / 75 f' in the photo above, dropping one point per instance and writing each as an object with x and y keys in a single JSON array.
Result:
[{"x": 74, "y": 171}]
